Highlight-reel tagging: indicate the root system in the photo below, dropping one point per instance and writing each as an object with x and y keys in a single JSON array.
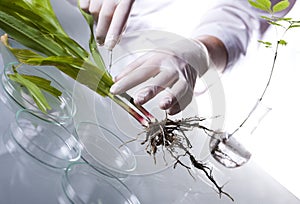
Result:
[{"x": 170, "y": 135}]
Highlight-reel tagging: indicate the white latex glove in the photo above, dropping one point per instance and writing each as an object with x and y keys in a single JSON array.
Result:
[
  {"x": 173, "y": 68},
  {"x": 110, "y": 17}
]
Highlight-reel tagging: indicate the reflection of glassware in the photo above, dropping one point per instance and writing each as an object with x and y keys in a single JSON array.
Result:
[
  {"x": 47, "y": 142},
  {"x": 28, "y": 179},
  {"x": 104, "y": 149},
  {"x": 16, "y": 96},
  {"x": 203, "y": 188},
  {"x": 225, "y": 148},
  {"x": 84, "y": 184}
]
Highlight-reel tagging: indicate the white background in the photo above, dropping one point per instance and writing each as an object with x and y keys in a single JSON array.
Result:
[{"x": 275, "y": 142}]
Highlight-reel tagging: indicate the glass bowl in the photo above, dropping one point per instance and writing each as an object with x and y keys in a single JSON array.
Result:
[
  {"x": 84, "y": 184},
  {"x": 102, "y": 148},
  {"x": 50, "y": 143},
  {"x": 16, "y": 96}
]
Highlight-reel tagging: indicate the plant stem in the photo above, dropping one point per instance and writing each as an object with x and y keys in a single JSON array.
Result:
[
  {"x": 262, "y": 95},
  {"x": 149, "y": 116},
  {"x": 144, "y": 122}
]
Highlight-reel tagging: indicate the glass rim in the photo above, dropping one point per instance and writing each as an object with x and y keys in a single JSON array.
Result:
[
  {"x": 40, "y": 154},
  {"x": 92, "y": 170},
  {"x": 8, "y": 88},
  {"x": 90, "y": 159},
  {"x": 145, "y": 164}
]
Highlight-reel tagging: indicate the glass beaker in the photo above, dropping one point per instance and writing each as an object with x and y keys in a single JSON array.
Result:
[{"x": 83, "y": 183}]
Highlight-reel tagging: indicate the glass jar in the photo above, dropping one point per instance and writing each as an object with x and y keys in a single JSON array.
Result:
[{"x": 82, "y": 183}]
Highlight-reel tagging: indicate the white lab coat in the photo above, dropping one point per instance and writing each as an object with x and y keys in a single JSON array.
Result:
[{"x": 234, "y": 22}]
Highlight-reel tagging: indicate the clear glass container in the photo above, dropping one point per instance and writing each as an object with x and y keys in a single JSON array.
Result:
[
  {"x": 82, "y": 183},
  {"x": 47, "y": 142},
  {"x": 16, "y": 96},
  {"x": 104, "y": 149},
  {"x": 23, "y": 178},
  {"x": 229, "y": 149}
]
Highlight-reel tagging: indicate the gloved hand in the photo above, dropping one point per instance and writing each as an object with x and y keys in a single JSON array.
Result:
[
  {"x": 110, "y": 17},
  {"x": 173, "y": 68}
]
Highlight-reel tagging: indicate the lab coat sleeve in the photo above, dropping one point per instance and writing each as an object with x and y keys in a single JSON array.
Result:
[{"x": 234, "y": 22}]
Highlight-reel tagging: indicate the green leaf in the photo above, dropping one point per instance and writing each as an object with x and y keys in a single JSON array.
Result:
[
  {"x": 34, "y": 24},
  {"x": 23, "y": 54},
  {"x": 28, "y": 36},
  {"x": 266, "y": 43},
  {"x": 282, "y": 42},
  {"x": 284, "y": 19},
  {"x": 43, "y": 84},
  {"x": 71, "y": 66},
  {"x": 280, "y": 6},
  {"x": 275, "y": 24},
  {"x": 92, "y": 42},
  {"x": 264, "y": 5},
  {"x": 77, "y": 64},
  {"x": 41, "y": 24},
  {"x": 85, "y": 72},
  {"x": 78, "y": 69},
  {"x": 294, "y": 26},
  {"x": 34, "y": 90}
]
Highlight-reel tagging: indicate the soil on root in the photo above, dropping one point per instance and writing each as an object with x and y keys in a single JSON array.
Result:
[{"x": 170, "y": 135}]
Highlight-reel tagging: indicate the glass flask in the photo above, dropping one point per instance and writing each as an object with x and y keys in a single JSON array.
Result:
[
  {"x": 16, "y": 96},
  {"x": 82, "y": 183},
  {"x": 47, "y": 142},
  {"x": 226, "y": 147}
]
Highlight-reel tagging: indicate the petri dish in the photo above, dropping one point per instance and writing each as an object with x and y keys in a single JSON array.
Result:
[
  {"x": 16, "y": 96},
  {"x": 82, "y": 183},
  {"x": 121, "y": 125},
  {"x": 47, "y": 142},
  {"x": 102, "y": 111},
  {"x": 104, "y": 149}
]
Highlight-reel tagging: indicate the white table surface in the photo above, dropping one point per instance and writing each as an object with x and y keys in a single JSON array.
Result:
[{"x": 35, "y": 183}]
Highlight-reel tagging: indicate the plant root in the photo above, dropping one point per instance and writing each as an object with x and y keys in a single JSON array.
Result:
[{"x": 170, "y": 135}]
